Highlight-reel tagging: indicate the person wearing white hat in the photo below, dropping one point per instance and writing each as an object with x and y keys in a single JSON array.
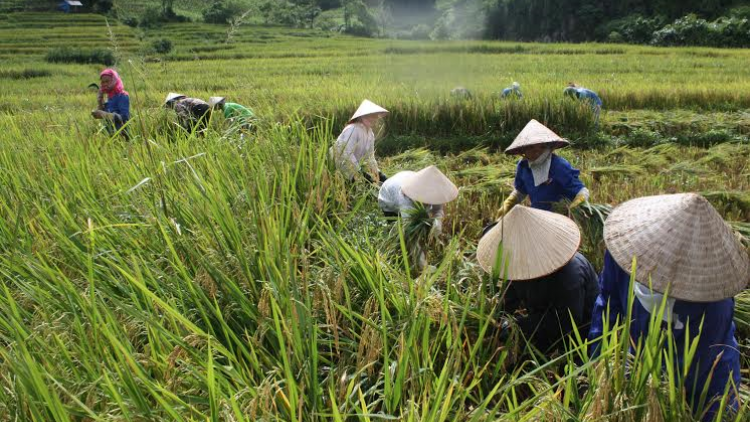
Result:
[
  {"x": 428, "y": 186},
  {"x": 514, "y": 90},
  {"x": 193, "y": 113},
  {"x": 355, "y": 147},
  {"x": 547, "y": 275},
  {"x": 233, "y": 112},
  {"x": 683, "y": 247},
  {"x": 542, "y": 175}
]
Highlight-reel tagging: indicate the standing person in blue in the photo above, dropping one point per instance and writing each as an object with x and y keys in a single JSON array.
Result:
[
  {"x": 513, "y": 91},
  {"x": 116, "y": 110},
  {"x": 547, "y": 277},
  {"x": 686, "y": 250},
  {"x": 543, "y": 176},
  {"x": 585, "y": 94}
]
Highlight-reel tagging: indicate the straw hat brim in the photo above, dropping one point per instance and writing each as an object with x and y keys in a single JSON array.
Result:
[
  {"x": 535, "y": 133},
  {"x": 681, "y": 245},
  {"x": 213, "y": 101},
  {"x": 535, "y": 243},
  {"x": 173, "y": 96},
  {"x": 430, "y": 186}
]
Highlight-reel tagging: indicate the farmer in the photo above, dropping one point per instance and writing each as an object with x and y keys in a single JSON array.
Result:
[
  {"x": 461, "y": 93},
  {"x": 429, "y": 187},
  {"x": 514, "y": 90},
  {"x": 542, "y": 175},
  {"x": 584, "y": 94},
  {"x": 355, "y": 147},
  {"x": 193, "y": 113},
  {"x": 236, "y": 114},
  {"x": 547, "y": 276},
  {"x": 115, "y": 111},
  {"x": 682, "y": 246}
]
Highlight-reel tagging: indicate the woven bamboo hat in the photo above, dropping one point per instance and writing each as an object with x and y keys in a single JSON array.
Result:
[
  {"x": 430, "y": 186},
  {"x": 368, "y": 107},
  {"x": 213, "y": 101},
  {"x": 172, "y": 96},
  {"x": 535, "y": 133},
  {"x": 535, "y": 243},
  {"x": 681, "y": 243}
]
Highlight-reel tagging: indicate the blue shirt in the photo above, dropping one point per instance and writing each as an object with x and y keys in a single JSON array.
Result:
[
  {"x": 119, "y": 105},
  {"x": 590, "y": 96},
  {"x": 563, "y": 182},
  {"x": 717, "y": 336},
  {"x": 507, "y": 91}
]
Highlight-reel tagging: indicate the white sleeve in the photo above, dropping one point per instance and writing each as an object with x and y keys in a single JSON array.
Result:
[{"x": 585, "y": 192}]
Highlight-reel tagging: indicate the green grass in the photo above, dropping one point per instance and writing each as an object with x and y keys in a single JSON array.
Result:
[{"x": 225, "y": 278}]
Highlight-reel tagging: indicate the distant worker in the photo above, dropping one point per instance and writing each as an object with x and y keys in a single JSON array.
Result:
[
  {"x": 115, "y": 111},
  {"x": 354, "y": 151},
  {"x": 512, "y": 91},
  {"x": 542, "y": 175},
  {"x": 429, "y": 187},
  {"x": 682, "y": 248},
  {"x": 549, "y": 282},
  {"x": 236, "y": 114},
  {"x": 193, "y": 113},
  {"x": 461, "y": 93},
  {"x": 585, "y": 94}
]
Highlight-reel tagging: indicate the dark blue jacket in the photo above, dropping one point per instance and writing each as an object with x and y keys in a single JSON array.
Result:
[
  {"x": 716, "y": 344},
  {"x": 120, "y": 106},
  {"x": 563, "y": 183},
  {"x": 552, "y": 300}
]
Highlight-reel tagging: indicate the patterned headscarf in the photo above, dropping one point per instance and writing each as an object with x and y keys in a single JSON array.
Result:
[{"x": 117, "y": 89}]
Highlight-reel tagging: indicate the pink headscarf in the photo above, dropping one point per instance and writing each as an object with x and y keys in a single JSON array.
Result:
[{"x": 118, "y": 88}]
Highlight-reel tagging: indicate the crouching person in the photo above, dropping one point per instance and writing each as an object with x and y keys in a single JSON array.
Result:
[
  {"x": 192, "y": 113},
  {"x": 428, "y": 187},
  {"x": 547, "y": 277},
  {"x": 354, "y": 150},
  {"x": 683, "y": 247}
]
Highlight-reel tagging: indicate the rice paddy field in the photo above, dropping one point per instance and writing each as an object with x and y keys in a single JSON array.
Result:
[{"x": 239, "y": 278}]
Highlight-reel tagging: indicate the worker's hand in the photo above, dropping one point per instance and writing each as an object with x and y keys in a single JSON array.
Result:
[
  {"x": 578, "y": 200},
  {"x": 501, "y": 212},
  {"x": 514, "y": 198}
]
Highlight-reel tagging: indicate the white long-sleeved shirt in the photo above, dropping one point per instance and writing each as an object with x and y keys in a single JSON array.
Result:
[
  {"x": 392, "y": 199},
  {"x": 353, "y": 148}
]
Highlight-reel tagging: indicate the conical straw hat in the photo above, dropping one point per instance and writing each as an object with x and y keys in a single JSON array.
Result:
[
  {"x": 215, "y": 100},
  {"x": 172, "y": 96},
  {"x": 533, "y": 134},
  {"x": 368, "y": 107},
  {"x": 430, "y": 186},
  {"x": 682, "y": 243},
  {"x": 535, "y": 243}
]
